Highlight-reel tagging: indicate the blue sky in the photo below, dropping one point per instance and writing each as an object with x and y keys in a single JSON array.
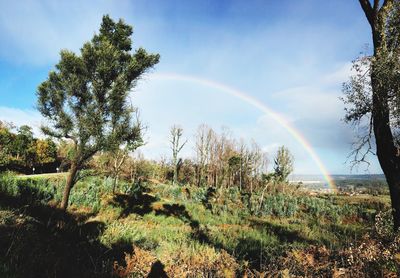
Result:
[{"x": 291, "y": 55}]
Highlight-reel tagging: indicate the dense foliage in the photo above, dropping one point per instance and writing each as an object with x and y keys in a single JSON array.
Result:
[
  {"x": 86, "y": 99},
  {"x": 20, "y": 151}
]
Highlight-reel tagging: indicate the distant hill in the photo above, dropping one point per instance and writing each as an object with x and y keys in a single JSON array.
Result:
[
  {"x": 367, "y": 182},
  {"x": 296, "y": 177},
  {"x": 359, "y": 177}
]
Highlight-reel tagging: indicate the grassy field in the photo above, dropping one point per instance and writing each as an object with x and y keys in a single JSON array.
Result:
[
  {"x": 51, "y": 176},
  {"x": 159, "y": 230}
]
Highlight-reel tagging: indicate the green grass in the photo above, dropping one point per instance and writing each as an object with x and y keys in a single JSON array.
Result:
[
  {"x": 44, "y": 176},
  {"x": 181, "y": 226}
]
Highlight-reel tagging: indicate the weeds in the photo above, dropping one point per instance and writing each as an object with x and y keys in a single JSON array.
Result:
[{"x": 177, "y": 231}]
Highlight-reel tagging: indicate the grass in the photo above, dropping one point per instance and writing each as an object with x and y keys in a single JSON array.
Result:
[
  {"x": 52, "y": 176},
  {"x": 181, "y": 231}
]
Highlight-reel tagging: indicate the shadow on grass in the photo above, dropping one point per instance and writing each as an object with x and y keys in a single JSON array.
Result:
[
  {"x": 256, "y": 253},
  {"x": 134, "y": 204},
  {"x": 141, "y": 204},
  {"x": 253, "y": 250},
  {"x": 283, "y": 233},
  {"x": 157, "y": 271},
  {"x": 179, "y": 211},
  {"x": 38, "y": 240}
]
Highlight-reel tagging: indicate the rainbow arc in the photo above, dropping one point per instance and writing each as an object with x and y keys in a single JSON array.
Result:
[{"x": 261, "y": 107}]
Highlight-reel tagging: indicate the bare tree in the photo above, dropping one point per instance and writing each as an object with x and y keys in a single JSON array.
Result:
[
  {"x": 226, "y": 162},
  {"x": 203, "y": 139},
  {"x": 176, "y": 133}
]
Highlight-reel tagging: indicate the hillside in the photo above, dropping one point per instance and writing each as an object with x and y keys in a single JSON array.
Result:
[{"x": 160, "y": 230}]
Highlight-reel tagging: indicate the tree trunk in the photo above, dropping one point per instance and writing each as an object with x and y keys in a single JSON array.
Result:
[
  {"x": 68, "y": 186},
  {"x": 385, "y": 146},
  {"x": 174, "y": 178},
  {"x": 387, "y": 153},
  {"x": 394, "y": 188},
  {"x": 175, "y": 163},
  {"x": 262, "y": 198},
  {"x": 115, "y": 183},
  {"x": 199, "y": 176}
]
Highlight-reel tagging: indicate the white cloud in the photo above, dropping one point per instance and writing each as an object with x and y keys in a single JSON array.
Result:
[
  {"x": 22, "y": 117},
  {"x": 34, "y": 32},
  {"x": 340, "y": 75},
  {"x": 286, "y": 56}
]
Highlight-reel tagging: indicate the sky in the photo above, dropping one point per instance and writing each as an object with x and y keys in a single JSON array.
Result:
[{"x": 291, "y": 56}]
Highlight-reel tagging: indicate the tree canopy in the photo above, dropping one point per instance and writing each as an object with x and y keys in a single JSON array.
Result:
[
  {"x": 20, "y": 150},
  {"x": 86, "y": 98},
  {"x": 283, "y": 163}
]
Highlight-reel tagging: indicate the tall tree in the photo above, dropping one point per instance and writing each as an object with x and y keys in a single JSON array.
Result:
[
  {"x": 283, "y": 163},
  {"x": 86, "y": 99},
  {"x": 373, "y": 95},
  {"x": 23, "y": 141},
  {"x": 45, "y": 151},
  {"x": 176, "y": 133},
  {"x": 6, "y": 141},
  {"x": 23, "y": 146},
  {"x": 203, "y": 139}
]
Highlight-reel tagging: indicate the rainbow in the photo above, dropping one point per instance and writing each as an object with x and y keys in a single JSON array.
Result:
[{"x": 260, "y": 106}]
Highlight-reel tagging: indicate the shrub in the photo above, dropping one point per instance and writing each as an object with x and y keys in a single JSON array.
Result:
[
  {"x": 280, "y": 205},
  {"x": 8, "y": 185},
  {"x": 29, "y": 191},
  {"x": 87, "y": 194},
  {"x": 138, "y": 264}
]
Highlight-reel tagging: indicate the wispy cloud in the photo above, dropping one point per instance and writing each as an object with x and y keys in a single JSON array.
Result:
[
  {"x": 20, "y": 117},
  {"x": 293, "y": 56},
  {"x": 33, "y": 32}
]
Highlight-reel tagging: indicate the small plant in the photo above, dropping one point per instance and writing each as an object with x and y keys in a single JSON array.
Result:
[
  {"x": 138, "y": 264},
  {"x": 137, "y": 189}
]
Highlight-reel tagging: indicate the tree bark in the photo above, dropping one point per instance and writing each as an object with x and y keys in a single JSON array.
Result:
[
  {"x": 175, "y": 177},
  {"x": 68, "y": 186},
  {"x": 262, "y": 198},
  {"x": 386, "y": 149},
  {"x": 117, "y": 169},
  {"x": 199, "y": 175}
]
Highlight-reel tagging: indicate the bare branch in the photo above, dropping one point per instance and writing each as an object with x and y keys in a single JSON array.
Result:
[
  {"x": 183, "y": 144},
  {"x": 362, "y": 147}
]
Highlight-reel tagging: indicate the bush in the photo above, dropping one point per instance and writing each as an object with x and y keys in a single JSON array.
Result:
[
  {"x": 280, "y": 205},
  {"x": 29, "y": 191},
  {"x": 8, "y": 185},
  {"x": 189, "y": 261},
  {"x": 88, "y": 192},
  {"x": 137, "y": 189}
]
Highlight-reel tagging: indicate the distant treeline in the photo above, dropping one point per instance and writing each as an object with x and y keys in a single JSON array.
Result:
[
  {"x": 219, "y": 161},
  {"x": 371, "y": 184},
  {"x": 21, "y": 152}
]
